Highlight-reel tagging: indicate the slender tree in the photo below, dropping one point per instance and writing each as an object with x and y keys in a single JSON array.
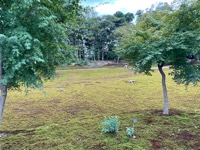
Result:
[{"x": 166, "y": 37}]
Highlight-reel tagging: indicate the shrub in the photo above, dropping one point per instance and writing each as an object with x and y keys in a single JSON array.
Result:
[
  {"x": 110, "y": 124},
  {"x": 81, "y": 63}
]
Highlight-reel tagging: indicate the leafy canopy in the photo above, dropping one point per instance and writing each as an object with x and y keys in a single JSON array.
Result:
[
  {"x": 164, "y": 36},
  {"x": 32, "y": 41}
]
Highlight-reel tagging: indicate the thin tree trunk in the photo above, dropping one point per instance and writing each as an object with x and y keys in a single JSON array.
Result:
[
  {"x": 2, "y": 101},
  {"x": 94, "y": 56},
  {"x": 77, "y": 55},
  {"x": 98, "y": 54},
  {"x": 3, "y": 89},
  {"x": 102, "y": 55},
  {"x": 165, "y": 95},
  {"x": 118, "y": 58},
  {"x": 102, "y": 52}
]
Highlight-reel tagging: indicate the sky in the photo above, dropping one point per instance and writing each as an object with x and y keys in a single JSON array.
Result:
[{"x": 111, "y": 6}]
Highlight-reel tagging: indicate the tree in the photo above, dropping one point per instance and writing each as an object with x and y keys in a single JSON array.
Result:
[
  {"x": 129, "y": 17},
  {"x": 122, "y": 19},
  {"x": 166, "y": 37},
  {"x": 93, "y": 36},
  {"x": 187, "y": 35},
  {"x": 106, "y": 36},
  {"x": 139, "y": 13},
  {"x": 119, "y": 14},
  {"x": 83, "y": 33},
  {"x": 32, "y": 42}
]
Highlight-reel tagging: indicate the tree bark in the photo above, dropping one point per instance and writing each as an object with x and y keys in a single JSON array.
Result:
[
  {"x": 118, "y": 59},
  {"x": 98, "y": 54},
  {"x": 102, "y": 52},
  {"x": 94, "y": 57},
  {"x": 102, "y": 55},
  {"x": 2, "y": 101},
  {"x": 165, "y": 95},
  {"x": 3, "y": 89}
]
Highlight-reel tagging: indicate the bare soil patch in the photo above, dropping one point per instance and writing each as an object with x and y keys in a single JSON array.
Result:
[
  {"x": 172, "y": 112},
  {"x": 156, "y": 145},
  {"x": 185, "y": 135}
]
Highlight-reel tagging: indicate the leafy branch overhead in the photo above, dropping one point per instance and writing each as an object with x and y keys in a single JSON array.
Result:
[
  {"x": 32, "y": 31},
  {"x": 32, "y": 42},
  {"x": 164, "y": 36}
]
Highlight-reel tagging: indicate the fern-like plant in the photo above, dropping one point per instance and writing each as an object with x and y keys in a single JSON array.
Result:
[
  {"x": 130, "y": 131},
  {"x": 110, "y": 124}
]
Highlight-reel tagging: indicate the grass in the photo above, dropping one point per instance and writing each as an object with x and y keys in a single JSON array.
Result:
[{"x": 69, "y": 115}]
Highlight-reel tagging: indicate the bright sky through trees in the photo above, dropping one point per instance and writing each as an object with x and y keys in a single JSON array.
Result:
[{"x": 111, "y": 6}]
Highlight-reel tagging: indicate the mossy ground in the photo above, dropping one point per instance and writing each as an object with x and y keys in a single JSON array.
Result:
[{"x": 69, "y": 115}]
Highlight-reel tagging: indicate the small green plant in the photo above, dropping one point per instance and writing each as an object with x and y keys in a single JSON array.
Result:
[
  {"x": 130, "y": 131},
  {"x": 110, "y": 124}
]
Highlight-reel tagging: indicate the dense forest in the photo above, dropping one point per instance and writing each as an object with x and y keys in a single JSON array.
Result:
[{"x": 94, "y": 37}]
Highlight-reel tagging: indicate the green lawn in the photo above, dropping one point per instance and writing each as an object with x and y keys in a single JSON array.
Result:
[{"x": 69, "y": 115}]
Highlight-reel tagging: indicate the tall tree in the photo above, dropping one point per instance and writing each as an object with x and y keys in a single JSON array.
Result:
[
  {"x": 166, "y": 37},
  {"x": 32, "y": 42},
  {"x": 129, "y": 17},
  {"x": 122, "y": 18}
]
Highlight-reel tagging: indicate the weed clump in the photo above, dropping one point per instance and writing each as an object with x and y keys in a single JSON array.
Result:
[
  {"x": 110, "y": 124},
  {"x": 131, "y": 130}
]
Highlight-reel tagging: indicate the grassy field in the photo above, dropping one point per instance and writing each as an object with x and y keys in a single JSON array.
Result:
[{"x": 69, "y": 115}]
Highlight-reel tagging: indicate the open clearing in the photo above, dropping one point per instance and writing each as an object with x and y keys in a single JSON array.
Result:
[{"x": 69, "y": 115}]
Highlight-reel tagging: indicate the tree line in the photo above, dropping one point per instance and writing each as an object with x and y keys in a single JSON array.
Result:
[{"x": 93, "y": 36}]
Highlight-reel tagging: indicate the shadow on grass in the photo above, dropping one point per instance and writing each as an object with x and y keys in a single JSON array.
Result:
[{"x": 15, "y": 132}]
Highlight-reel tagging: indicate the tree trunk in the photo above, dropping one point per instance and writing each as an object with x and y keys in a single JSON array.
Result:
[
  {"x": 102, "y": 55},
  {"x": 2, "y": 101},
  {"x": 94, "y": 56},
  {"x": 3, "y": 89},
  {"x": 102, "y": 52},
  {"x": 118, "y": 59},
  {"x": 165, "y": 95},
  {"x": 98, "y": 54}
]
